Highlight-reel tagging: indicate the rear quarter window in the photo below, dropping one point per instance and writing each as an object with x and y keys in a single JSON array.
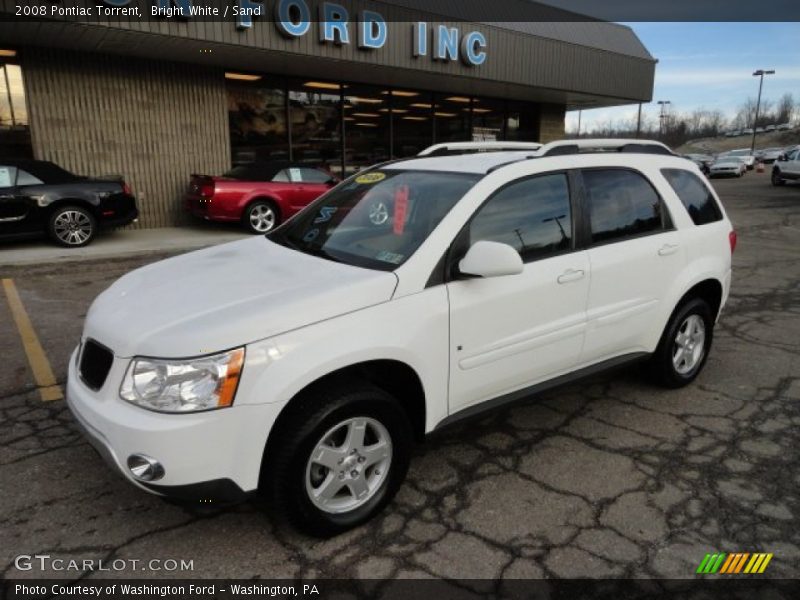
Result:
[{"x": 695, "y": 196}]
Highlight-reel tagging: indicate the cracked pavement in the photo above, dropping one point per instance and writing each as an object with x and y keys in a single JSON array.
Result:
[{"x": 608, "y": 477}]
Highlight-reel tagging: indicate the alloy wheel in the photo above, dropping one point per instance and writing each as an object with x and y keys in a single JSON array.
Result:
[
  {"x": 73, "y": 227},
  {"x": 348, "y": 465},
  {"x": 262, "y": 218},
  {"x": 690, "y": 344}
]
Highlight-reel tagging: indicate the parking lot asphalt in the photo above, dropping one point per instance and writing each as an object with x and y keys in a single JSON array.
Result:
[{"x": 603, "y": 478}]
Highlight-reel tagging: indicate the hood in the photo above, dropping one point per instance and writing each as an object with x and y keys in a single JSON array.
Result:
[{"x": 226, "y": 296}]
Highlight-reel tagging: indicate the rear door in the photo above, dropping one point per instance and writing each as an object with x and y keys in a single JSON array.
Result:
[{"x": 635, "y": 255}]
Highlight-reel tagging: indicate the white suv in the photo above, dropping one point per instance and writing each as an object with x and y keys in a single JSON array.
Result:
[{"x": 306, "y": 363}]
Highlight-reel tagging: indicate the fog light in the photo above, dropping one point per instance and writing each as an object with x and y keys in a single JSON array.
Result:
[{"x": 144, "y": 468}]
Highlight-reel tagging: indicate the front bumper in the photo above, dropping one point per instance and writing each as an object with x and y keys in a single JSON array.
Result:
[{"x": 208, "y": 456}]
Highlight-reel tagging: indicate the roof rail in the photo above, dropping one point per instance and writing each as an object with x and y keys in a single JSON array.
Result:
[
  {"x": 563, "y": 147},
  {"x": 468, "y": 147},
  {"x": 587, "y": 146}
]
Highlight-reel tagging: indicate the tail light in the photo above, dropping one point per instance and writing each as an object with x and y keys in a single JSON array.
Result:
[
  {"x": 207, "y": 189},
  {"x": 126, "y": 189},
  {"x": 732, "y": 238}
]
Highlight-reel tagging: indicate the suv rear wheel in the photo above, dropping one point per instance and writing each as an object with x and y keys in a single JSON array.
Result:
[
  {"x": 339, "y": 458},
  {"x": 684, "y": 345}
]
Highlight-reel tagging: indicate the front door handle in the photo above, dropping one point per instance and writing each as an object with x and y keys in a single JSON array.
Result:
[
  {"x": 668, "y": 249},
  {"x": 571, "y": 275}
]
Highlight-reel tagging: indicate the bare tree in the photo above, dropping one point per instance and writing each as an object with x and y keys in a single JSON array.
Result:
[{"x": 785, "y": 109}]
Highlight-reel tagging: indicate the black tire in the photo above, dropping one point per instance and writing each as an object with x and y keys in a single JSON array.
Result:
[
  {"x": 661, "y": 365},
  {"x": 255, "y": 224},
  {"x": 71, "y": 226},
  {"x": 776, "y": 178},
  {"x": 315, "y": 412}
]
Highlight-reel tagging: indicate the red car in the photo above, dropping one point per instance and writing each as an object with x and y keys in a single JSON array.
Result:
[{"x": 259, "y": 195}]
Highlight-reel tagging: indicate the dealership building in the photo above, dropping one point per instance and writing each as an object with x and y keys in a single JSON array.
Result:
[{"x": 338, "y": 84}]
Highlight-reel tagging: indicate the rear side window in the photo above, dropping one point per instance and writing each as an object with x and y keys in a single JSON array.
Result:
[
  {"x": 532, "y": 216},
  {"x": 312, "y": 176},
  {"x": 695, "y": 196},
  {"x": 25, "y": 178},
  {"x": 281, "y": 176},
  {"x": 622, "y": 204}
]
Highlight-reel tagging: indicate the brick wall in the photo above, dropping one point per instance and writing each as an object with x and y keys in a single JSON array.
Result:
[
  {"x": 551, "y": 123},
  {"x": 153, "y": 122}
]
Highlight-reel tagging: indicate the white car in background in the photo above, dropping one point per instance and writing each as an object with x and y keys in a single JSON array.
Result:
[
  {"x": 744, "y": 154},
  {"x": 305, "y": 363},
  {"x": 727, "y": 166},
  {"x": 787, "y": 167}
]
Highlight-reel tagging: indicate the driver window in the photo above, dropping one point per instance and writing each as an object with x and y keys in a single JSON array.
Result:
[{"x": 532, "y": 216}]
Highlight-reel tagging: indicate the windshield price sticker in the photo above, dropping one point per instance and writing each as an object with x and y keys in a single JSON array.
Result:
[
  {"x": 400, "y": 209},
  {"x": 373, "y": 177}
]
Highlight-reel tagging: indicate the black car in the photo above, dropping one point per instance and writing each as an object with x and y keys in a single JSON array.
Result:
[{"x": 39, "y": 196}]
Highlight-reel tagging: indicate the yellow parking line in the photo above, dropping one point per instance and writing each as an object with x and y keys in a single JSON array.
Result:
[{"x": 42, "y": 372}]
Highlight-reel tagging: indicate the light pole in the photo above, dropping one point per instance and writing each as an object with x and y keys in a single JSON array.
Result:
[
  {"x": 579, "y": 122},
  {"x": 663, "y": 116},
  {"x": 639, "y": 122},
  {"x": 760, "y": 73}
]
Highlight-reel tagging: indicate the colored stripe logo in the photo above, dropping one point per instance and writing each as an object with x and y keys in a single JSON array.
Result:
[{"x": 734, "y": 563}]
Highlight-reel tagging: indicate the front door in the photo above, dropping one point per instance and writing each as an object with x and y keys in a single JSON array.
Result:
[{"x": 507, "y": 333}]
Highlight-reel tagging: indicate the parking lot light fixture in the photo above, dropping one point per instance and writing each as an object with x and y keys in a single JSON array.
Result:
[
  {"x": 662, "y": 117},
  {"x": 760, "y": 73}
]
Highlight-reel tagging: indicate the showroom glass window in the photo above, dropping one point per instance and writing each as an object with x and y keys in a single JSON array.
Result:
[
  {"x": 452, "y": 114},
  {"x": 487, "y": 119},
  {"x": 413, "y": 121},
  {"x": 533, "y": 216},
  {"x": 15, "y": 138},
  {"x": 257, "y": 118},
  {"x": 522, "y": 122},
  {"x": 622, "y": 204},
  {"x": 694, "y": 195},
  {"x": 315, "y": 112},
  {"x": 367, "y": 127}
]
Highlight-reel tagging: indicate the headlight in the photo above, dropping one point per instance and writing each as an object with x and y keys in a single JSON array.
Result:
[{"x": 183, "y": 385}]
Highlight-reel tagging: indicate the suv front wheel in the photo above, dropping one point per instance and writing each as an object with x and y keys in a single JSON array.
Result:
[
  {"x": 685, "y": 344},
  {"x": 776, "y": 177},
  {"x": 339, "y": 457}
]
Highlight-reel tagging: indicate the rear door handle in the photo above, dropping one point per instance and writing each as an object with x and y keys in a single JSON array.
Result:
[
  {"x": 668, "y": 249},
  {"x": 6, "y": 197},
  {"x": 571, "y": 275}
]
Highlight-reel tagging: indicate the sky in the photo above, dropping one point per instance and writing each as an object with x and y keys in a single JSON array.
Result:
[{"x": 710, "y": 66}]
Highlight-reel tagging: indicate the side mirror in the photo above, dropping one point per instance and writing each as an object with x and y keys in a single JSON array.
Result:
[
  {"x": 490, "y": 259},
  {"x": 781, "y": 158}
]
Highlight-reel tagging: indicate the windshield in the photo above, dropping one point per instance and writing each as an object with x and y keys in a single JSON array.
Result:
[
  {"x": 739, "y": 153},
  {"x": 377, "y": 219}
]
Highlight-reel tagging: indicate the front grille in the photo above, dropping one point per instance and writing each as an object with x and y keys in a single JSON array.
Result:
[{"x": 95, "y": 364}]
